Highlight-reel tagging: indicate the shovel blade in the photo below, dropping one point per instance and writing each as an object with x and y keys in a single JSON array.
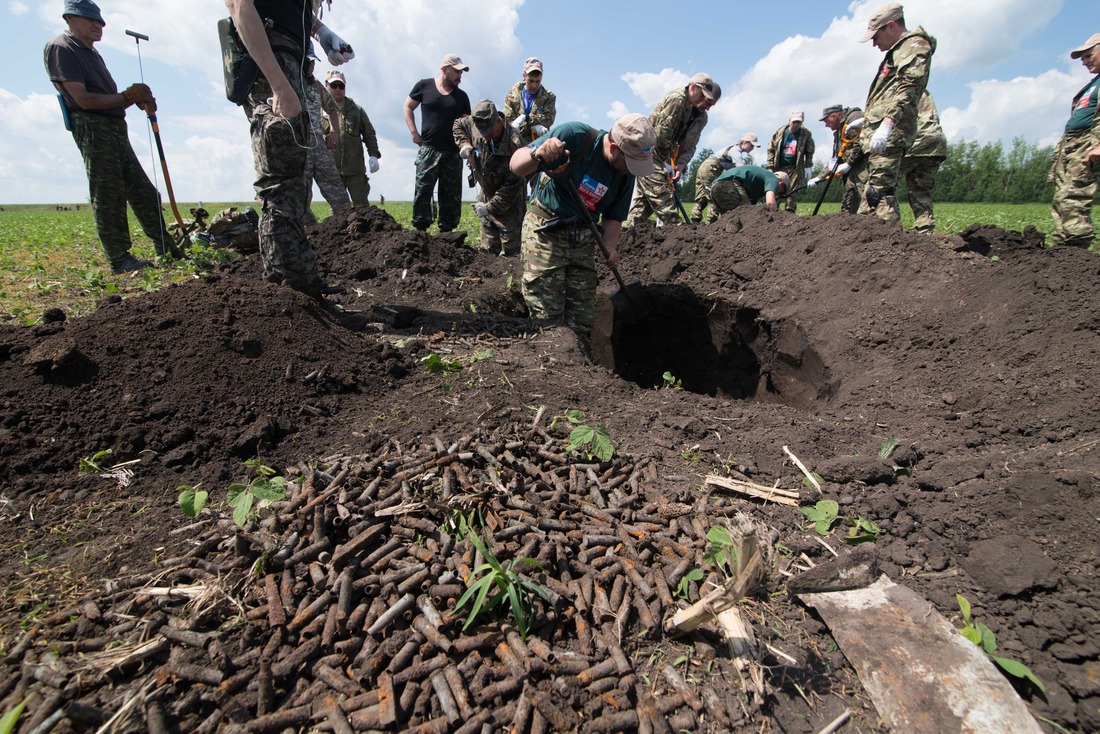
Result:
[{"x": 631, "y": 303}]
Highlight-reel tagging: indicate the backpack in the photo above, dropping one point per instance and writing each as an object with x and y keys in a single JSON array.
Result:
[{"x": 238, "y": 230}]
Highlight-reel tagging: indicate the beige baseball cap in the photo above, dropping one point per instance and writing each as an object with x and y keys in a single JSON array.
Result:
[
  {"x": 532, "y": 64},
  {"x": 1094, "y": 40},
  {"x": 707, "y": 86},
  {"x": 783, "y": 178},
  {"x": 454, "y": 61},
  {"x": 798, "y": 116},
  {"x": 636, "y": 139},
  {"x": 879, "y": 19},
  {"x": 750, "y": 138},
  {"x": 335, "y": 75}
]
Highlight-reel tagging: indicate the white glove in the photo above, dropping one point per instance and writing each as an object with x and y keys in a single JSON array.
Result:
[
  {"x": 481, "y": 209},
  {"x": 518, "y": 122},
  {"x": 843, "y": 169},
  {"x": 856, "y": 124},
  {"x": 881, "y": 136},
  {"x": 832, "y": 162},
  {"x": 538, "y": 129},
  {"x": 374, "y": 164},
  {"x": 809, "y": 172},
  {"x": 812, "y": 182},
  {"x": 338, "y": 50},
  {"x": 465, "y": 151}
]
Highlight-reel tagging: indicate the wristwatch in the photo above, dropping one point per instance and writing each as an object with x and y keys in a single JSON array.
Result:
[{"x": 535, "y": 153}]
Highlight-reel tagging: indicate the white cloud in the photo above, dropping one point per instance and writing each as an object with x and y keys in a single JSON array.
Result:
[
  {"x": 617, "y": 110},
  {"x": 18, "y": 8},
  {"x": 652, "y": 88}
]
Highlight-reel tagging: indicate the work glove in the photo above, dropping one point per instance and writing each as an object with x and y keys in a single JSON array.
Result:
[
  {"x": 809, "y": 172},
  {"x": 812, "y": 182},
  {"x": 881, "y": 137},
  {"x": 481, "y": 209},
  {"x": 338, "y": 50},
  {"x": 465, "y": 151},
  {"x": 374, "y": 165},
  {"x": 832, "y": 162},
  {"x": 538, "y": 129},
  {"x": 856, "y": 124},
  {"x": 843, "y": 169},
  {"x": 519, "y": 122},
  {"x": 142, "y": 96}
]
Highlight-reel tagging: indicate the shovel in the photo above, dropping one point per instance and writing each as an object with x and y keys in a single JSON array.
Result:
[{"x": 630, "y": 302}]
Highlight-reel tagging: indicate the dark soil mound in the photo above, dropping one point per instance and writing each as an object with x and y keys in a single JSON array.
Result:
[{"x": 834, "y": 336}]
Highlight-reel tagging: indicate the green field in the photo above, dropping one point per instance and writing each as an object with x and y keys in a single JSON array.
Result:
[{"x": 53, "y": 258}]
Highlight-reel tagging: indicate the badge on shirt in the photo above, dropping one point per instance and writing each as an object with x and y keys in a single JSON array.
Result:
[
  {"x": 1085, "y": 102},
  {"x": 790, "y": 150},
  {"x": 591, "y": 192}
]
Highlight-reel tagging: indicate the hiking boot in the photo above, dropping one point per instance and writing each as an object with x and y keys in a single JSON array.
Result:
[{"x": 129, "y": 264}]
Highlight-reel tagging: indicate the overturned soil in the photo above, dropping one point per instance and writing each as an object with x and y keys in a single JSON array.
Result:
[{"x": 976, "y": 353}]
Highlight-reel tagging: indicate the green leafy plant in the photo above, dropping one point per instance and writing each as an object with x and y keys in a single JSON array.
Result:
[
  {"x": 682, "y": 588},
  {"x": 983, "y": 637},
  {"x": 807, "y": 482},
  {"x": 596, "y": 441},
  {"x": 192, "y": 499},
  {"x": 822, "y": 515},
  {"x": 887, "y": 450},
  {"x": 263, "y": 490},
  {"x": 722, "y": 554},
  {"x": 672, "y": 381},
  {"x": 481, "y": 355},
  {"x": 862, "y": 530},
  {"x": 91, "y": 464},
  {"x": 7, "y": 723},
  {"x": 492, "y": 583},
  {"x": 437, "y": 365}
]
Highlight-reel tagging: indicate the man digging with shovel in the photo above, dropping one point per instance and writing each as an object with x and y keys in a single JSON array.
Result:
[
  {"x": 95, "y": 112},
  {"x": 591, "y": 177}
]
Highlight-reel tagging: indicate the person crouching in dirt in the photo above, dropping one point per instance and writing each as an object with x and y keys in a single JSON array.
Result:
[
  {"x": 599, "y": 169},
  {"x": 275, "y": 106},
  {"x": 486, "y": 142},
  {"x": 748, "y": 185}
]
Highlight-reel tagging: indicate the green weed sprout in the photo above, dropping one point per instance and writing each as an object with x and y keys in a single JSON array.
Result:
[
  {"x": 694, "y": 574},
  {"x": 192, "y": 499},
  {"x": 91, "y": 464},
  {"x": 982, "y": 636},
  {"x": 437, "y": 365},
  {"x": 504, "y": 583},
  {"x": 7, "y": 723},
  {"x": 826, "y": 512},
  {"x": 722, "y": 554},
  {"x": 672, "y": 381},
  {"x": 262, "y": 491}
]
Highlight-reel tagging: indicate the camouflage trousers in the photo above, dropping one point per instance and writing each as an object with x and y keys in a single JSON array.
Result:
[
  {"x": 559, "y": 274},
  {"x": 115, "y": 177},
  {"x": 920, "y": 178},
  {"x": 279, "y": 152},
  {"x": 1074, "y": 188},
  {"x": 358, "y": 186},
  {"x": 653, "y": 194},
  {"x": 798, "y": 177},
  {"x": 704, "y": 177},
  {"x": 445, "y": 168},
  {"x": 321, "y": 167},
  {"x": 505, "y": 239},
  {"x": 728, "y": 194},
  {"x": 881, "y": 172}
]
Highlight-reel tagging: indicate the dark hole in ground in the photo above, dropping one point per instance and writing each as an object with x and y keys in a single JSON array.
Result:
[{"x": 713, "y": 347}]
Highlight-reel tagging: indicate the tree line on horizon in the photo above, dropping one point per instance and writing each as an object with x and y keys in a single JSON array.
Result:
[{"x": 972, "y": 173}]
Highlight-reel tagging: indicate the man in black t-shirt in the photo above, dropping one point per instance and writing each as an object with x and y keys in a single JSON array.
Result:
[{"x": 441, "y": 103}]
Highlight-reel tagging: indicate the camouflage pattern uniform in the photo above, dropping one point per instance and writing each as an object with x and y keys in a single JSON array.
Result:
[
  {"x": 678, "y": 125},
  {"x": 803, "y": 159},
  {"x": 320, "y": 165},
  {"x": 543, "y": 110},
  {"x": 356, "y": 131},
  {"x": 895, "y": 93},
  {"x": 709, "y": 170},
  {"x": 922, "y": 161},
  {"x": 1075, "y": 181},
  {"x": 503, "y": 191},
  {"x": 853, "y": 156},
  {"x": 280, "y": 157}
]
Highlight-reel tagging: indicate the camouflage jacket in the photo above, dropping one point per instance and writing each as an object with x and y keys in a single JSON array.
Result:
[
  {"x": 501, "y": 189},
  {"x": 930, "y": 140},
  {"x": 319, "y": 101},
  {"x": 804, "y": 157},
  {"x": 678, "y": 126},
  {"x": 898, "y": 85},
  {"x": 543, "y": 111},
  {"x": 854, "y": 152},
  {"x": 355, "y": 132}
]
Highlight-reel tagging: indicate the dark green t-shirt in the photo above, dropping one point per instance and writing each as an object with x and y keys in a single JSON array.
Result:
[
  {"x": 604, "y": 190},
  {"x": 1084, "y": 107},
  {"x": 756, "y": 180}
]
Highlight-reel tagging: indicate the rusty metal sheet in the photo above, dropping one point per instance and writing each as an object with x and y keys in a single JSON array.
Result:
[{"x": 922, "y": 675}]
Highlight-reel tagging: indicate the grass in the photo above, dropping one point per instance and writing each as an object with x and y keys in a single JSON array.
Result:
[{"x": 51, "y": 258}]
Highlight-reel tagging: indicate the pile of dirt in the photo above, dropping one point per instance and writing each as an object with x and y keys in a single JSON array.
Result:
[{"x": 835, "y": 336}]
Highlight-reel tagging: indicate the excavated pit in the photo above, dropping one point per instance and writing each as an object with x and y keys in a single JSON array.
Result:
[{"x": 712, "y": 347}]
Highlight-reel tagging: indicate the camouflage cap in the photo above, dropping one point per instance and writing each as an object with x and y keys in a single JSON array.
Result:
[
  {"x": 707, "y": 86},
  {"x": 484, "y": 115},
  {"x": 830, "y": 110},
  {"x": 532, "y": 64},
  {"x": 636, "y": 139},
  {"x": 83, "y": 9},
  {"x": 334, "y": 75},
  {"x": 453, "y": 61},
  {"x": 1094, "y": 40},
  {"x": 879, "y": 19}
]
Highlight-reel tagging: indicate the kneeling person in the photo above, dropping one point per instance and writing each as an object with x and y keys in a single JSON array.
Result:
[
  {"x": 748, "y": 185},
  {"x": 559, "y": 267},
  {"x": 486, "y": 142}
]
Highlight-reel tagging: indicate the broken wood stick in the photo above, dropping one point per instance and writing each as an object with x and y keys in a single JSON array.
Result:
[{"x": 759, "y": 491}]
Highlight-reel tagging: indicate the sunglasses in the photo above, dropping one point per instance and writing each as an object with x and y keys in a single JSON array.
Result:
[{"x": 336, "y": 85}]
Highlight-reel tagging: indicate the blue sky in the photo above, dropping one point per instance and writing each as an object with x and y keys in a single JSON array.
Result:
[{"x": 1001, "y": 70}]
